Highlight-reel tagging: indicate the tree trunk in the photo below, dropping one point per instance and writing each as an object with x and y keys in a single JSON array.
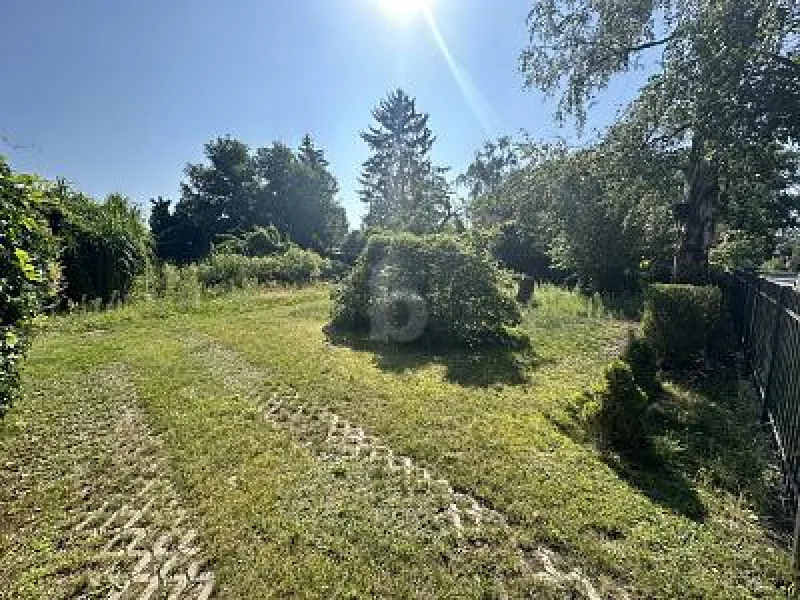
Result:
[{"x": 701, "y": 196}]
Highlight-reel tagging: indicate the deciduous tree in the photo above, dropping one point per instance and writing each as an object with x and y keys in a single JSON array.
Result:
[{"x": 726, "y": 88}]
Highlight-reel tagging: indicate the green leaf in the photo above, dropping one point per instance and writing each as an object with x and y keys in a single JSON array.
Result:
[
  {"x": 11, "y": 339},
  {"x": 28, "y": 269}
]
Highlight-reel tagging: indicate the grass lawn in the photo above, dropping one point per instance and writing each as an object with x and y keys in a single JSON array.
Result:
[{"x": 235, "y": 450}]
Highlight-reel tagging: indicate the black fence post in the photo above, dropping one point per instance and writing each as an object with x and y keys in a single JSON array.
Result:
[{"x": 796, "y": 540}]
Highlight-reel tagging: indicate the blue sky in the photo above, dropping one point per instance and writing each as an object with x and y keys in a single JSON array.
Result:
[{"x": 119, "y": 96}]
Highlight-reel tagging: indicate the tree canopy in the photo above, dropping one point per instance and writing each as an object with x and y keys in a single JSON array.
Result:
[
  {"x": 723, "y": 106},
  {"x": 239, "y": 190}
]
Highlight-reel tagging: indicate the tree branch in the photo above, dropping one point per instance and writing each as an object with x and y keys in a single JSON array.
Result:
[
  {"x": 786, "y": 61},
  {"x": 646, "y": 45}
]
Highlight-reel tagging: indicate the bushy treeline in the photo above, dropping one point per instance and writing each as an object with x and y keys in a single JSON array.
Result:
[
  {"x": 237, "y": 191},
  {"x": 613, "y": 220},
  {"x": 611, "y": 217},
  {"x": 57, "y": 246},
  {"x": 262, "y": 216}
]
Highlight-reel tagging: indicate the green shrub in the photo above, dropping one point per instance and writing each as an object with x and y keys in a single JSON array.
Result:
[
  {"x": 622, "y": 408},
  {"x": 228, "y": 244},
  {"x": 181, "y": 284},
  {"x": 776, "y": 263},
  {"x": 295, "y": 266},
  {"x": 264, "y": 241},
  {"x": 681, "y": 321},
  {"x": 643, "y": 361},
  {"x": 353, "y": 246},
  {"x": 27, "y": 270},
  {"x": 261, "y": 241},
  {"x": 334, "y": 270},
  {"x": 518, "y": 249},
  {"x": 437, "y": 289},
  {"x": 105, "y": 246}
]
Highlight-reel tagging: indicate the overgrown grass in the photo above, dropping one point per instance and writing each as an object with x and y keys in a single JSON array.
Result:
[
  {"x": 696, "y": 521},
  {"x": 554, "y": 302}
]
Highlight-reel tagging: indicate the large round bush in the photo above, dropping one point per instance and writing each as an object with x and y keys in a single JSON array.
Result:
[{"x": 434, "y": 289}]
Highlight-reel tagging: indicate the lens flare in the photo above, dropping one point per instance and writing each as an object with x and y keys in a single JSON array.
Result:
[
  {"x": 405, "y": 10},
  {"x": 476, "y": 101}
]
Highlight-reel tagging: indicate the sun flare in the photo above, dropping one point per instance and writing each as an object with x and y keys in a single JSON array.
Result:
[{"x": 405, "y": 10}]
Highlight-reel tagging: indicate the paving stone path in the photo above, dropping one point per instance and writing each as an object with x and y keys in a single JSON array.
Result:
[
  {"x": 123, "y": 524},
  {"x": 333, "y": 438}
]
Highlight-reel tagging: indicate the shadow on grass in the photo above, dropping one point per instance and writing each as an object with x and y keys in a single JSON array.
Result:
[
  {"x": 704, "y": 431},
  {"x": 724, "y": 443},
  {"x": 471, "y": 368},
  {"x": 653, "y": 475}
]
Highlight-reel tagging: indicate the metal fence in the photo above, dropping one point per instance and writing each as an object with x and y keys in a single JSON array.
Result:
[{"x": 766, "y": 317}]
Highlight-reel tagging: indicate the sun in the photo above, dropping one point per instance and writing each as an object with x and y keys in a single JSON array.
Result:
[{"x": 405, "y": 10}]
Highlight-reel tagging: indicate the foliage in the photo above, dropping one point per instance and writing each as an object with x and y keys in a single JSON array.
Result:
[
  {"x": 681, "y": 321},
  {"x": 596, "y": 216},
  {"x": 462, "y": 295},
  {"x": 602, "y": 219},
  {"x": 353, "y": 246},
  {"x": 787, "y": 252},
  {"x": 403, "y": 189},
  {"x": 27, "y": 253},
  {"x": 105, "y": 246},
  {"x": 261, "y": 241},
  {"x": 299, "y": 196},
  {"x": 739, "y": 249},
  {"x": 793, "y": 262},
  {"x": 241, "y": 191},
  {"x": 618, "y": 408},
  {"x": 180, "y": 284},
  {"x": 334, "y": 270},
  {"x": 724, "y": 104},
  {"x": 295, "y": 266},
  {"x": 176, "y": 237},
  {"x": 516, "y": 249},
  {"x": 490, "y": 169},
  {"x": 643, "y": 361}
]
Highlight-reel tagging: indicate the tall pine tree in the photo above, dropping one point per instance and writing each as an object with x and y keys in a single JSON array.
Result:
[
  {"x": 402, "y": 187},
  {"x": 309, "y": 154}
]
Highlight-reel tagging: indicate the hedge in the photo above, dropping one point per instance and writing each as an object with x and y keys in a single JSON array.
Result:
[{"x": 680, "y": 321}]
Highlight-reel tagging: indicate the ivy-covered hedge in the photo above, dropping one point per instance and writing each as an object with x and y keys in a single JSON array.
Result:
[
  {"x": 434, "y": 289},
  {"x": 680, "y": 321},
  {"x": 27, "y": 270}
]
